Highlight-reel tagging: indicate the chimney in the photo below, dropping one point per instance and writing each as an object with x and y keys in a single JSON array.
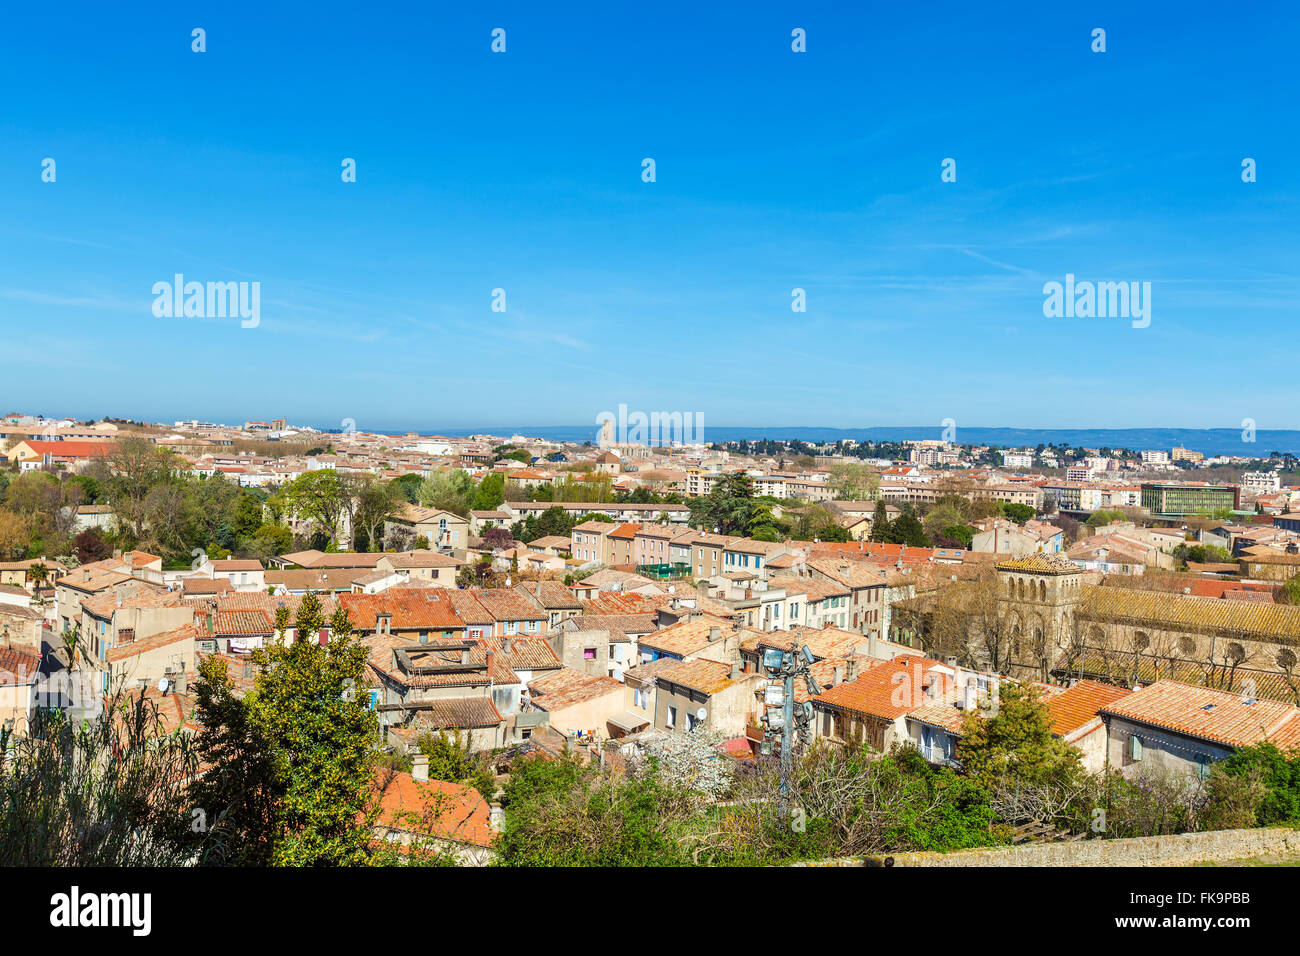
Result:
[
  {"x": 420, "y": 767},
  {"x": 837, "y": 677},
  {"x": 715, "y": 633},
  {"x": 464, "y": 655},
  {"x": 734, "y": 671},
  {"x": 873, "y": 648},
  {"x": 850, "y": 670},
  {"x": 496, "y": 818},
  {"x": 490, "y": 656},
  {"x": 950, "y": 661}
]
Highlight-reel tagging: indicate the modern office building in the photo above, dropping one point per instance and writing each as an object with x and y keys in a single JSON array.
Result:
[{"x": 1188, "y": 498}]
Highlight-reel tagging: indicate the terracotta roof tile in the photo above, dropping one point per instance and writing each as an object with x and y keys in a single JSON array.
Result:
[{"x": 1219, "y": 716}]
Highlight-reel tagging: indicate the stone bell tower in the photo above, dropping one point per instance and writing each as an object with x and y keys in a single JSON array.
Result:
[{"x": 1038, "y": 595}]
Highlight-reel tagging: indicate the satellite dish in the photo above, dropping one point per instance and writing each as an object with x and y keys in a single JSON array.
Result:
[
  {"x": 163, "y": 684},
  {"x": 701, "y": 714}
]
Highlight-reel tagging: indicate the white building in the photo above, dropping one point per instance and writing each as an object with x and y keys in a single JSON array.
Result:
[{"x": 1261, "y": 482}]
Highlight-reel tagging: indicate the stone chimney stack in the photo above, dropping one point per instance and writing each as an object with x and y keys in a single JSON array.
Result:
[
  {"x": 420, "y": 767},
  {"x": 850, "y": 670},
  {"x": 715, "y": 634}
]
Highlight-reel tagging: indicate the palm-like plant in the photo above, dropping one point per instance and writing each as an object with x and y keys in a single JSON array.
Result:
[
  {"x": 38, "y": 573},
  {"x": 72, "y": 643}
]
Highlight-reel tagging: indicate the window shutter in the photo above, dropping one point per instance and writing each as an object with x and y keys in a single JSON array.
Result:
[{"x": 1136, "y": 747}]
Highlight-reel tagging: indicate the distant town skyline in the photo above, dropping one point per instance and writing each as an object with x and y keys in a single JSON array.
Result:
[
  {"x": 1237, "y": 442},
  {"x": 775, "y": 171}
]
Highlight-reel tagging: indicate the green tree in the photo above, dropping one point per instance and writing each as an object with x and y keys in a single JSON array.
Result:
[
  {"x": 318, "y": 497},
  {"x": 451, "y": 759},
  {"x": 240, "y": 795},
  {"x": 130, "y": 474},
  {"x": 308, "y": 705},
  {"x": 940, "y": 517},
  {"x": 376, "y": 501},
  {"x": 1279, "y": 775},
  {"x": 107, "y": 791},
  {"x": 1015, "y": 746},
  {"x": 450, "y": 490},
  {"x": 490, "y": 493},
  {"x": 727, "y": 507},
  {"x": 409, "y": 485},
  {"x": 1017, "y": 512},
  {"x": 906, "y": 530},
  {"x": 880, "y": 524},
  {"x": 559, "y": 813}
]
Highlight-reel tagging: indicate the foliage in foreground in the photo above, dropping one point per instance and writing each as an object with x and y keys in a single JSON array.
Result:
[
  {"x": 110, "y": 790},
  {"x": 291, "y": 764}
]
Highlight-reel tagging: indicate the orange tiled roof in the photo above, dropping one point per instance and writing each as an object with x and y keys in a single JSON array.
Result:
[
  {"x": 1219, "y": 716},
  {"x": 448, "y": 811},
  {"x": 1074, "y": 707},
  {"x": 705, "y": 676},
  {"x": 410, "y": 609},
  {"x": 884, "y": 689},
  {"x": 560, "y": 689},
  {"x": 188, "y": 632}
]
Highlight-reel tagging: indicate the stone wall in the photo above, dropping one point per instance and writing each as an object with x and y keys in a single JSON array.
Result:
[{"x": 1176, "y": 850}]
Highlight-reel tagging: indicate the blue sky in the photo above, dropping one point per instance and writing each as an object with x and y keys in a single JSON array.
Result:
[{"x": 775, "y": 170}]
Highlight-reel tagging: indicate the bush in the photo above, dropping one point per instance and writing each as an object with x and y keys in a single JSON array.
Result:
[
  {"x": 559, "y": 813},
  {"x": 450, "y": 759},
  {"x": 1277, "y": 774},
  {"x": 106, "y": 791}
]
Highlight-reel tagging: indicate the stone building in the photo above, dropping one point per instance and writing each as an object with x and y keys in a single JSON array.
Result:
[{"x": 1049, "y": 624}]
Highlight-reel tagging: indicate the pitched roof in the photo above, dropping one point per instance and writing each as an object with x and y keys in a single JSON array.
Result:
[
  {"x": 568, "y": 686},
  {"x": 317, "y": 579},
  {"x": 705, "y": 676},
  {"x": 424, "y": 609},
  {"x": 422, "y": 559},
  {"x": 247, "y": 621},
  {"x": 19, "y": 663},
  {"x": 523, "y": 653},
  {"x": 1039, "y": 564},
  {"x": 447, "y": 811},
  {"x": 1272, "y": 623},
  {"x": 883, "y": 688},
  {"x": 237, "y": 564},
  {"x": 458, "y": 713},
  {"x": 1214, "y": 715},
  {"x": 687, "y": 637},
  {"x": 552, "y": 595},
  {"x": 343, "y": 559},
  {"x": 505, "y": 605},
  {"x": 1075, "y": 706},
  {"x": 186, "y": 633}
]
